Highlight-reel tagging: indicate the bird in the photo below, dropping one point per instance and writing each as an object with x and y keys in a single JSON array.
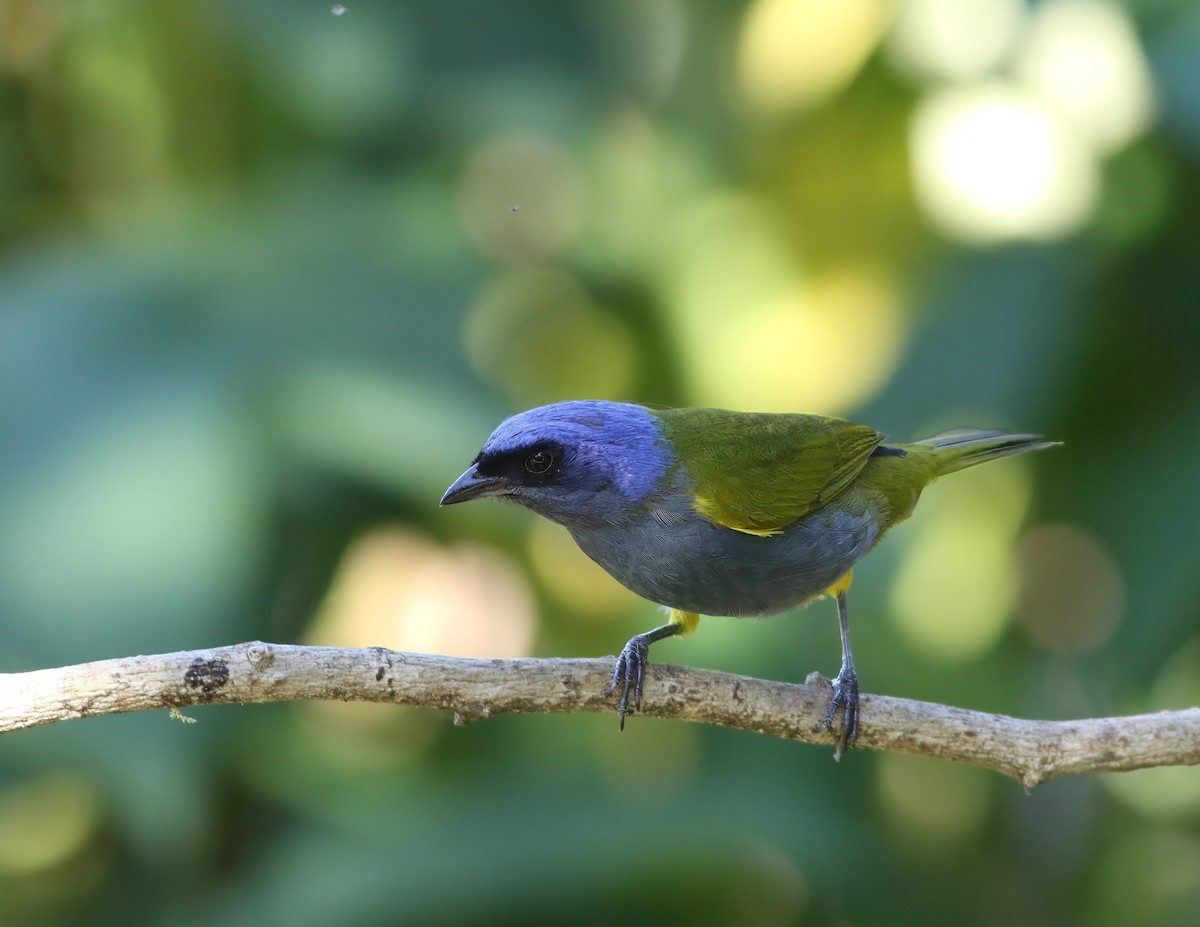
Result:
[{"x": 715, "y": 512}]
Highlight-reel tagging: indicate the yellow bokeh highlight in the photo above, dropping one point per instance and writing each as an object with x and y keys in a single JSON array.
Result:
[
  {"x": 1178, "y": 683},
  {"x": 932, "y": 803},
  {"x": 1173, "y": 792},
  {"x": 536, "y": 333},
  {"x": 795, "y": 53},
  {"x": 1166, "y": 793},
  {"x": 397, "y": 588},
  {"x": 824, "y": 347},
  {"x": 571, "y": 577},
  {"x": 44, "y": 822},
  {"x": 725, "y": 251},
  {"x": 955, "y": 586},
  {"x": 756, "y": 333}
]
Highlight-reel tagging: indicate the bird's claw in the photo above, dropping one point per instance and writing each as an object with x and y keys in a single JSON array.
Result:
[
  {"x": 845, "y": 700},
  {"x": 630, "y": 671}
]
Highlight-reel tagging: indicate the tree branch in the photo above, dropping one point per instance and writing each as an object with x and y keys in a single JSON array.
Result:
[{"x": 1029, "y": 751}]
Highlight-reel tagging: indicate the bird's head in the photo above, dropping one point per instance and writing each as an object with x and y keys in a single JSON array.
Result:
[{"x": 575, "y": 463}]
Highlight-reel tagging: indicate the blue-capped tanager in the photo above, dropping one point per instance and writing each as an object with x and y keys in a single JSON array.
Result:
[{"x": 707, "y": 511}]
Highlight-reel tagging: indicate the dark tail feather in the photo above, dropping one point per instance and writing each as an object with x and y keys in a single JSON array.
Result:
[{"x": 966, "y": 447}]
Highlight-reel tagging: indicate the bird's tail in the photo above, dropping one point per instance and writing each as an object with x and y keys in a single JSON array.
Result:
[{"x": 966, "y": 447}]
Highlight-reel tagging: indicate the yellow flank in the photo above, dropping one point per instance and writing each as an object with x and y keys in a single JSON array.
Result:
[
  {"x": 686, "y": 620},
  {"x": 710, "y": 511},
  {"x": 841, "y": 585}
]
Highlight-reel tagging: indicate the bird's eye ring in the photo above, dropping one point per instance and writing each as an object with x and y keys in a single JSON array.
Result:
[{"x": 539, "y": 461}]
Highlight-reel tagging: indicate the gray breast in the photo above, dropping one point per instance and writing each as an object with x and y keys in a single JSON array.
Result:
[{"x": 675, "y": 557}]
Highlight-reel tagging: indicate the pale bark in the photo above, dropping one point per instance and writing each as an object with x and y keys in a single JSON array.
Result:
[{"x": 1029, "y": 751}]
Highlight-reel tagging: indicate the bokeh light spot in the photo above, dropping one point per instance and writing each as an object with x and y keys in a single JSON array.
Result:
[
  {"x": 955, "y": 586},
  {"x": 1178, "y": 683},
  {"x": 1084, "y": 58},
  {"x": 932, "y": 803},
  {"x": 795, "y": 53},
  {"x": 992, "y": 162},
  {"x": 727, "y": 253},
  {"x": 826, "y": 346},
  {"x": 758, "y": 334},
  {"x": 1167, "y": 793},
  {"x": 45, "y": 821},
  {"x": 535, "y": 172},
  {"x": 396, "y": 588},
  {"x": 537, "y": 334},
  {"x": 953, "y": 40},
  {"x": 1071, "y": 591},
  {"x": 571, "y": 577}
]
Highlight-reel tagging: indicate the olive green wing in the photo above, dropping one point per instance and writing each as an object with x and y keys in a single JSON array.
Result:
[{"x": 759, "y": 472}]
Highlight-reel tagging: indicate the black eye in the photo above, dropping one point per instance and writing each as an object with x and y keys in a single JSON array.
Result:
[{"x": 539, "y": 461}]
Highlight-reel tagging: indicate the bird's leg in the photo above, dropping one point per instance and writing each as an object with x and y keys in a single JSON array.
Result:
[
  {"x": 631, "y": 666},
  {"x": 845, "y": 688}
]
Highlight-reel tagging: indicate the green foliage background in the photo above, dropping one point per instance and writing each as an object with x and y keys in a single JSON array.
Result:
[{"x": 270, "y": 274}]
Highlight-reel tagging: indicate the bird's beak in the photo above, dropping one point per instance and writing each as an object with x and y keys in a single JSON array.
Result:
[{"x": 473, "y": 486}]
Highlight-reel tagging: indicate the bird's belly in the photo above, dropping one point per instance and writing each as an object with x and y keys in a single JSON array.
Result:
[{"x": 683, "y": 561}]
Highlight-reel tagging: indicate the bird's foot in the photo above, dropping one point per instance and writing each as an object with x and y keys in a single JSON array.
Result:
[
  {"x": 845, "y": 700},
  {"x": 630, "y": 673}
]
